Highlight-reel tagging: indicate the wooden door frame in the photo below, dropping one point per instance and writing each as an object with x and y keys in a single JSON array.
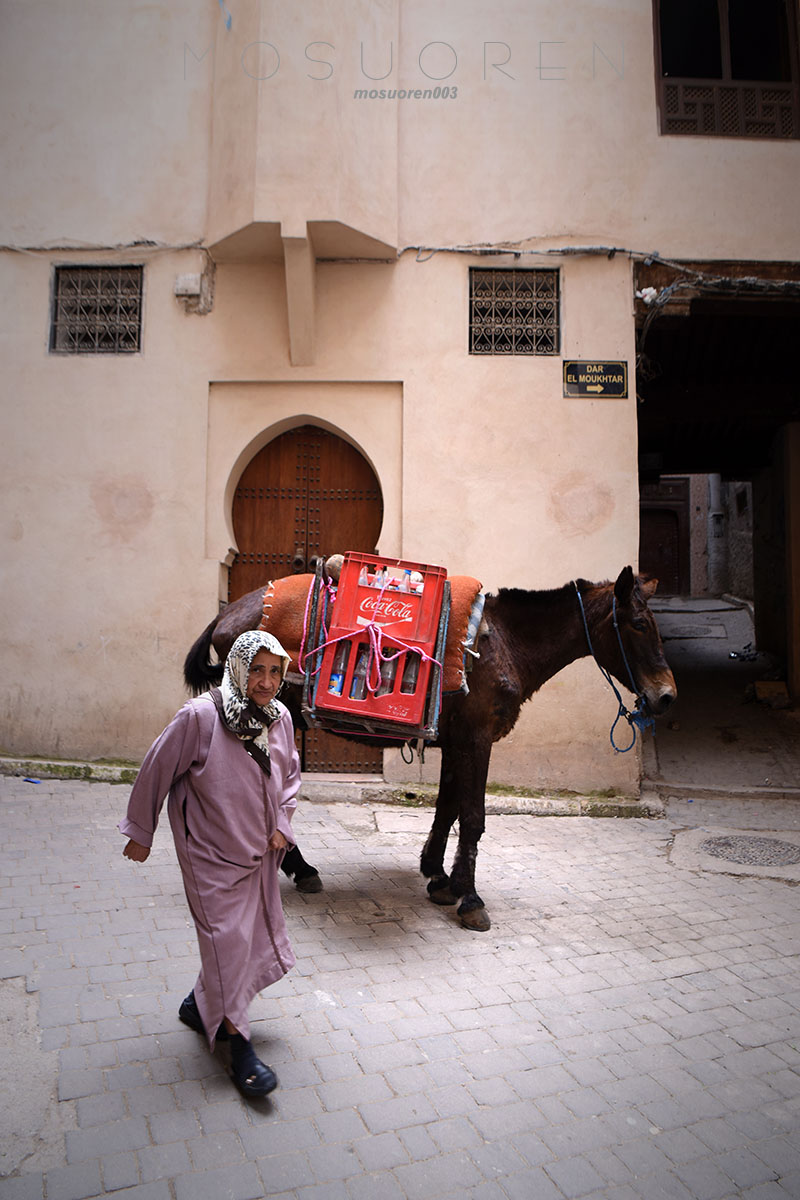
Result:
[{"x": 244, "y": 416}]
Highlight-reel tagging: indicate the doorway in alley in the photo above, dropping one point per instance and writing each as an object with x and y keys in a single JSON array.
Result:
[{"x": 308, "y": 493}]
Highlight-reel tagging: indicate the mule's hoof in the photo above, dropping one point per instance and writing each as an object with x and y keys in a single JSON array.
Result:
[
  {"x": 477, "y": 919},
  {"x": 443, "y": 896},
  {"x": 309, "y": 883}
]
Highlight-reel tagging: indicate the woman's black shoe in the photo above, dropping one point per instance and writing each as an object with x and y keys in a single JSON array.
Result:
[
  {"x": 252, "y": 1077},
  {"x": 190, "y": 1015},
  {"x": 309, "y": 882}
]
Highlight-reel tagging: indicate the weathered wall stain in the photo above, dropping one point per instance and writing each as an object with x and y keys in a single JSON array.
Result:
[
  {"x": 580, "y": 504},
  {"x": 124, "y": 505}
]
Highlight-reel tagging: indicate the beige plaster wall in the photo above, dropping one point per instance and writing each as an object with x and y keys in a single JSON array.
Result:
[
  {"x": 131, "y": 130},
  {"x": 105, "y": 127},
  {"x": 498, "y": 475},
  {"x": 561, "y": 143},
  {"x": 127, "y": 119},
  {"x": 102, "y": 476},
  {"x": 118, "y": 476},
  {"x": 289, "y": 143}
]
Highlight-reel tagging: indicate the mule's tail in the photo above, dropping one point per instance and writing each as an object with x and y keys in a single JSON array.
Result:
[{"x": 198, "y": 670}]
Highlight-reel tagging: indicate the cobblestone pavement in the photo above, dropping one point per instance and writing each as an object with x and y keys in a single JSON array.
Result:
[{"x": 628, "y": 1028}]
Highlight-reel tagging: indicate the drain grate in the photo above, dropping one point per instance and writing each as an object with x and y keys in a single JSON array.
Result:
[{"x": 755, "y": 851}]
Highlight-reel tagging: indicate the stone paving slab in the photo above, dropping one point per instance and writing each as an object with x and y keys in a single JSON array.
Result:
[{"x": 629, "y": 1027}]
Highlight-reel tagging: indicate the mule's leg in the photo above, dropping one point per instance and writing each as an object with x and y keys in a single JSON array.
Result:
[
  {"x": 473, "y": 770},
  {"x": 306, "y": 877},
  {"x": 432, "y": 859}
]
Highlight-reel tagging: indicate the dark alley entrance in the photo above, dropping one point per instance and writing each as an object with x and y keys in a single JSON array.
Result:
[
  {"x": 727, "y": 731},
  {"x": 718, "y": 394}
]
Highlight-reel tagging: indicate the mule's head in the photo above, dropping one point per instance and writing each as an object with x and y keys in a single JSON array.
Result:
[{"x": 641, "y": 643}]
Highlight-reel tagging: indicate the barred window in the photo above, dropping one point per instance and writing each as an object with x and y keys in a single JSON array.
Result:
[
  {"x": 513, "y": 312},
  {"x": 97, "y": 310}
]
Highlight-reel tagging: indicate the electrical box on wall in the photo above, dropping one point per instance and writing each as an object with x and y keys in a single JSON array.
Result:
[
  {"x": 188, "y": 285},
  {"x": 196, "y": 290}
]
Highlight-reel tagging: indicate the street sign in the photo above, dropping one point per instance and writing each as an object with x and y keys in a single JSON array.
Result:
[{"x": 596, "y": 380}]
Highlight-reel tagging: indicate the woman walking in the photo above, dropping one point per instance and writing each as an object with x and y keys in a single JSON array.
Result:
[{"x": 229, "y": 763}]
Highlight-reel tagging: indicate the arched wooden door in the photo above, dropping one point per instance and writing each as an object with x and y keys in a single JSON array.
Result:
[{"x": 306, "y": 493}]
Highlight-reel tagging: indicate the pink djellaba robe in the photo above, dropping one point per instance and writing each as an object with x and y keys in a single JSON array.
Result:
[{"x": 223, "y": 808}]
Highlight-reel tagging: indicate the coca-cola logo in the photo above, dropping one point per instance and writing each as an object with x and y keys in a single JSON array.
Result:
[{"x": 396, "y": 610}]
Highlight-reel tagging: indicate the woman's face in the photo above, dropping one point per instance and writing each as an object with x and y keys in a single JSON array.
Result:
[{"x": 264, "y": 678}]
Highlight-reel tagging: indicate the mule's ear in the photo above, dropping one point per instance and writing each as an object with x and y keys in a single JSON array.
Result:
[
  {"x": 648, "y": 587},
  {"x": 623, "y": 588}
]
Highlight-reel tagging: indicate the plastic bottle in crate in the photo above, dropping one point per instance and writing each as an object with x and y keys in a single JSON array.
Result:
[{"x": 339, "y": 668}]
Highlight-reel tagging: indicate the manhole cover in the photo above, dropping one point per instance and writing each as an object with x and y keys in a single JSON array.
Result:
[
  {"x": 676, "y": 632},
  {"x": 756, "y": 851}
]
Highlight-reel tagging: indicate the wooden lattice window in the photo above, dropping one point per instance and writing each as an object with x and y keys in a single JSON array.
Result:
[
  {"x": 513, "y": 312},
  {"x": 728, "y": 68},
  {"x": 97, "y": 310}
]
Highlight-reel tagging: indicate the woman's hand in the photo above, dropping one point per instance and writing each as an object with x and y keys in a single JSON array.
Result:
[
  {"x": 136, "y": 852},
  {"x": 277, "y": 841}
]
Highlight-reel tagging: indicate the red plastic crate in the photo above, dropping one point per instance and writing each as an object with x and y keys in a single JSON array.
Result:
[{"x": 370, "y": 619}]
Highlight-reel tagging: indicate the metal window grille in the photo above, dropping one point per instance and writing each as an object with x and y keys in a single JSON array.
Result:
[
  {"x": 513, "y": 312},
  {"x": 97, "y": 310}
]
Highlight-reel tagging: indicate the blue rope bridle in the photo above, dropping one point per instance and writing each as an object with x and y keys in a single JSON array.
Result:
[{"x": 638, "y": 719}]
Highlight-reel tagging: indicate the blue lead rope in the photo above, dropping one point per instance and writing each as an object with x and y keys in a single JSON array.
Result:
[{"x": 638, "y": 719}]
